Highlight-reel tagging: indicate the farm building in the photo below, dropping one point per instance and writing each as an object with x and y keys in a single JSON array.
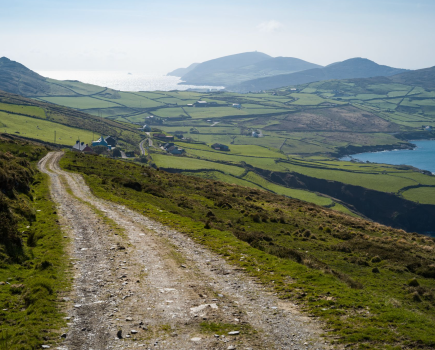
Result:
[
  {"x": 111, "y": 141},
  {"x": 257, "y": 134},
  {"x": 220, "y": 147},
  {"x": 201, "y": 104},
  {"x": 146, "y": 128},
  {"x": 163, "y": 137},
  {"x": 237, "y": 105},
  {"x": 82, "y": 147},
  {"x": 100, "y": 142},
  {"x": 167, "y": 145},
  {"x": 175, "y": 150},
  {"x": 428, "y": 128}
]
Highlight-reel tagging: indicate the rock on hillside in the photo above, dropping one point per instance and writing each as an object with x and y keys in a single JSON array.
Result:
[{"x": 348, "y": 69}]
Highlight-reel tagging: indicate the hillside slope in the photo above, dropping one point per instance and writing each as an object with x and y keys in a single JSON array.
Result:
[
  {"x": 179, "y": 72},
  {"x": 18, "y": 79},
  {"x": 208, "y": 72},
  {"x": 421, "y": 77},
  {"x": 352, "y": 68},
  {"x": 373, "y": 285},
  {"x": 17, "y": 105}
]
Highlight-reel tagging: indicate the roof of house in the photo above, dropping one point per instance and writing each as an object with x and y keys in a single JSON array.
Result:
[
  {"x": 79, "y": 146},
  {"x": 82, "y": 147}
]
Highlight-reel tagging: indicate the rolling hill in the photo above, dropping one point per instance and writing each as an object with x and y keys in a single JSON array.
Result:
[
  {"x": 421, "y": 77},
  {"x": 34, "y": 119},
  {"x": 348, "y": 69},
  {"x": 17, "y": 79}
]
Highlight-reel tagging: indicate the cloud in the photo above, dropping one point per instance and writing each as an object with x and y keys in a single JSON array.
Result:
[{"x": 270, "y": 26}]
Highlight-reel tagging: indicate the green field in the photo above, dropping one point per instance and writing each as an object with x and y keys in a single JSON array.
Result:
[
  {"x": 323, "y": 118},
  {"x": 424, "y": 195},
  {"x": 79, "y": 102},
  {"x": 42, "y": 129}
]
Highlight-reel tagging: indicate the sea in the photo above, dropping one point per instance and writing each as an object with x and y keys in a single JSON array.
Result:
[
  {"x": 421, "y": 157},
  {"x": 126, "y": 81}
]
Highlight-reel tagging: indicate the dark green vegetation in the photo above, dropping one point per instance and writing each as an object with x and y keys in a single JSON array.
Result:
[
  {"x": 351, "y": 68},
  {"x": 371, "y": 284},
  {"x": 32, "y": 265},
  {"x": 233, "y": 69}
]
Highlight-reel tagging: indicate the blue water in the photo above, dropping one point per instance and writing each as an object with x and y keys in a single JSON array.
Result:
[{"x": 422, "y": 157}]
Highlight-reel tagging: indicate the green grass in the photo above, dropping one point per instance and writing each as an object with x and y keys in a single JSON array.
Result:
[
  {"x": 320, "y": 259},
  {"x": 80, "y": 102},
  {"x": 307, "y": 99},
  {"x": 131, "y": 99},
  {"x": 174, "y": 162},
  {"x": 78, "y": 87},
  {"x": 42, "y": 129},
  {"x": 31, "y": 314},
  {"x": 33, "y": 111},
  {"x": 423, "y": 195}
]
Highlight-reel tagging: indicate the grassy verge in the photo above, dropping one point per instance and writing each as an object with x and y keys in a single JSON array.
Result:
[
  {"x": 33, "y": 276},
  {"x": 372, "y": 285}
]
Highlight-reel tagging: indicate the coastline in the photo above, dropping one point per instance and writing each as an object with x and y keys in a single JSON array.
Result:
[{"x": 379, "y": 149}]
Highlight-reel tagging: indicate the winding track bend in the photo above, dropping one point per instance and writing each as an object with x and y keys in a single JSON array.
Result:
[{"x": 141, "y": 285}]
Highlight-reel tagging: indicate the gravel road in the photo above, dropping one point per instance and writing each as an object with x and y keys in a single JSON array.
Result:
[{"x": 141, "y": 285}]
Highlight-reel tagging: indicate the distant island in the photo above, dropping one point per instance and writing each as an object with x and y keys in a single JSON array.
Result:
[{"x": 256, "y": 71}]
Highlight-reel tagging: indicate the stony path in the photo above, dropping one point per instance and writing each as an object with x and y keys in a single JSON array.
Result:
[{"x": 150, "y": 287}]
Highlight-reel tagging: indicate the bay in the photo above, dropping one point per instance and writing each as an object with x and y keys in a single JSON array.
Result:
[
  {"x": 421, "y": 157},
  {"x": 125, "y": 81}
]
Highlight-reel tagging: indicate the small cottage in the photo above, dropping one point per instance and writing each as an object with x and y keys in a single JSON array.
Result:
[
  {"x": 220, "y": 147},
  {"x": 100, "y": 142},
  {"x": 82, "y": 147},
  {"x": 111, "y": 141},
  {"x": 201, "y": 104}
]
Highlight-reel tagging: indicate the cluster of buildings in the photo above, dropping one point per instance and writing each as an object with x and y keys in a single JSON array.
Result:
[
  {"x": 172, "y": 149},
  {"x": 109, "y": 142}
]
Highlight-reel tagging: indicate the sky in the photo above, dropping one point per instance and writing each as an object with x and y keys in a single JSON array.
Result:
[{"x": 159, "y": 36}]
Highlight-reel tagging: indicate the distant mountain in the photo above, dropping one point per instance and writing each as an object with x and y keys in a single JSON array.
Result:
[
  {"x": 420, "y": 77},
  {"x": 18, "y": 79},
  {"x": 234, "y": 69},
  {"x": 348, "y": 69},
  {"x": 182, "y": 71}
]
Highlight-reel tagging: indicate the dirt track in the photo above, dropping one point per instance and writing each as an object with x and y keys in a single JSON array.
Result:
[{"x": 155, "y": 288}]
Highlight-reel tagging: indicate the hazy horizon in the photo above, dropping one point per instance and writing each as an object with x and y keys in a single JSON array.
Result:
[{"x": 157, "y": 38}]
